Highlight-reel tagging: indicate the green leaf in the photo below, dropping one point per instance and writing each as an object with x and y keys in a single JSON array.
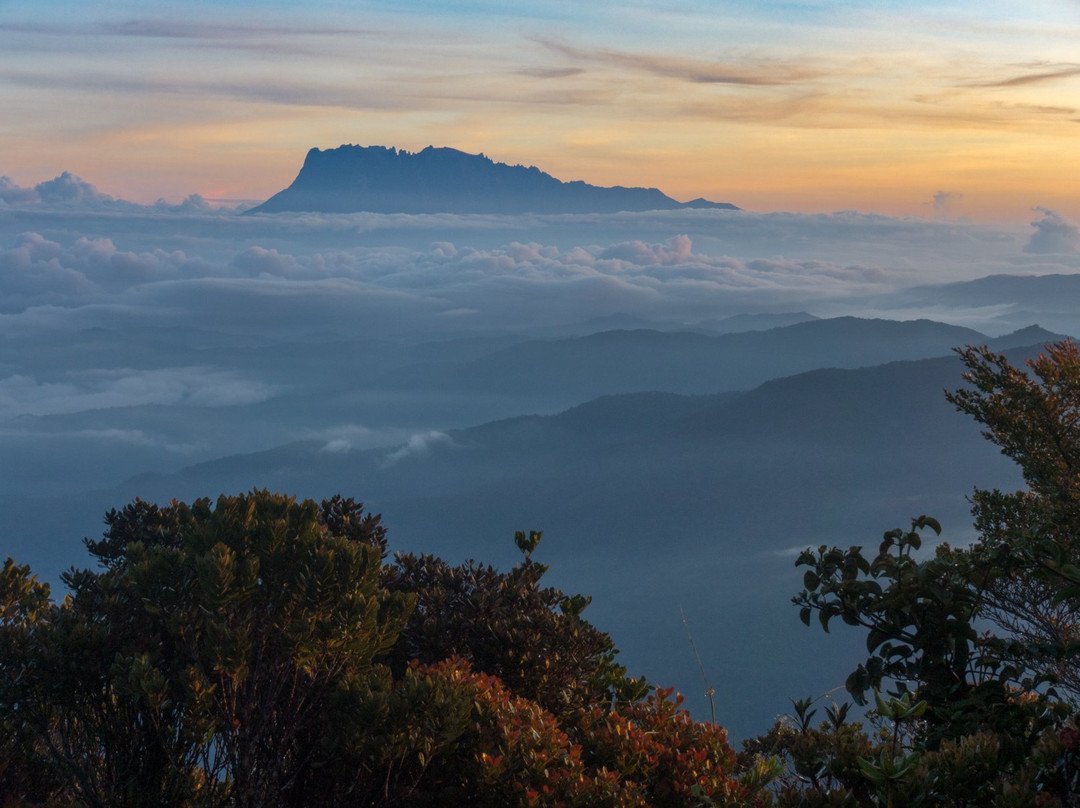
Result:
[
  {"x": 872, "y": 772},
  {"x": 875, "y": 638},
  {"x": 883, "y": 707},
  {"x": 930, "y": 522}
]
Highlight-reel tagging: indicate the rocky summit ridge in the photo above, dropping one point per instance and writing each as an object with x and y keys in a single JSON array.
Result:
[{"x": 380, "y": 179}]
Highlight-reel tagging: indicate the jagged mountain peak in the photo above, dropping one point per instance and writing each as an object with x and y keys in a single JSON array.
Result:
[{"x": 384, "y": 179}]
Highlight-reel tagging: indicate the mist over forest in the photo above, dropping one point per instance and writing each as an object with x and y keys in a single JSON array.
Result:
[{"x": 681, "y": 400}]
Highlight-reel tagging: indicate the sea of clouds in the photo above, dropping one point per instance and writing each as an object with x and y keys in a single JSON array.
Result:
[{"x": 72, "y": 258}]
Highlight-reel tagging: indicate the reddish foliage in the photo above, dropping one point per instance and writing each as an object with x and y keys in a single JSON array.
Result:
[
  {"x": 669, "y": 757},
  {"x": 648, "y": 754}
]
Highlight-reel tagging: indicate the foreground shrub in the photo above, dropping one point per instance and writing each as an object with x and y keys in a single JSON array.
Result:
[
  {"x": 255, "y": 652},
  {"x": 532, "y": 637},
  {"x": 963, "y": 716}
]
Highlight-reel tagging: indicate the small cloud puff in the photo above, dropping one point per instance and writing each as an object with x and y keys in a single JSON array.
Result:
[
  {"x": 675, "y": 250},
  {"x": 256, "y": 261},
  {"x": 418, "y": 445},
  {"x": 944, "y": 202},
  {"x": 69, "y": 189},
  {"x": 344, "y": 438},
  {"x": 193, "y": 203},
  {"x": 65, "y": 192},
  {"x": 12, "y": 194},
  {"x": 38, "y": 271},
  {"x": 1053, "y": 234},
  {"x": 69, "y": 192}
]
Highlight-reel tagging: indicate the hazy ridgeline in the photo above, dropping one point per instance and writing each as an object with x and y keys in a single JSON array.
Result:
[{"x": 681, "y": 400}]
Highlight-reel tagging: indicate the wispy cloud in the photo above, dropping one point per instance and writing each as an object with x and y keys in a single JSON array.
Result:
[
  {"x": 944, "y": 201},
  {"x": 1037, "y": 74},
  {"x": 189, "y": 29},
  {"x": 550, "y": 72},
  {"x": 161, "y": 28},
  {"x": 417, "y": 446},
  {"x": 752, "y": 73},
  {"x": 291, "y": 92},
  {"x": 99, "y": 437},
  {"x": 81, "y": 391}
]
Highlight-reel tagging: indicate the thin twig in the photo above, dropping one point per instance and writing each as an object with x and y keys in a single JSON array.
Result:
[{"x": 709, "y": 692}]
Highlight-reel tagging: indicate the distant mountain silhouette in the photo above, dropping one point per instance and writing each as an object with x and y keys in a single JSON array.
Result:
[
  {"x": 1032, "y": 335},
  {"x": 754, "y": 322},
  {"x": 1053, "y": 301},
  {"x": 614, "y": 362},
  {"x": 991, "y": 290},
  {"x": 377, "y": 179},
  {"x": 615, "y": 468}
]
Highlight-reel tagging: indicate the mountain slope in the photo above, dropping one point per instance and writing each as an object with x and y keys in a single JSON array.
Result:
[
  {"x": 614, "y": 362},
  {"x": 1052, "y": 300}
]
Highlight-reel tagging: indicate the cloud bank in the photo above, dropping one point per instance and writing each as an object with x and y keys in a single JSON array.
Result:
[
  {"x": 72, "y": 260},
  {"x": 70, "y": 193},
  {"x": 266, "y": 289}
]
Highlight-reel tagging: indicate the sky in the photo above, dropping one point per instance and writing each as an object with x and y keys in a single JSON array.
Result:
[{"x": 941, "y": 110}]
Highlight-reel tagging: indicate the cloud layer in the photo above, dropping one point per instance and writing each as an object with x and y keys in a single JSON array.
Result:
[{"x": 83, "y": 263}]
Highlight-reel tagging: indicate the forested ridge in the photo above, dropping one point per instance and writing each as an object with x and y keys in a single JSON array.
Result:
[{"x": 258, "y": 650}]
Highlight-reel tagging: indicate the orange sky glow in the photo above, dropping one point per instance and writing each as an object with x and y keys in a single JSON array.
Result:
[{"x": 956, "y": 109}]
